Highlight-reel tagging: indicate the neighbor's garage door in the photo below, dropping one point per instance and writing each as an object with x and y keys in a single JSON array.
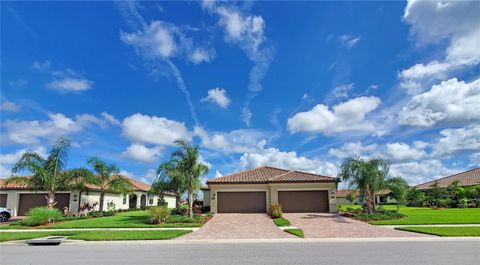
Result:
[
  {"x": 28, "y": 201},
  {"x": 305, "y": 201},
  {"x": 3, "y": 200},
  {"x": 241, "y": 202}
]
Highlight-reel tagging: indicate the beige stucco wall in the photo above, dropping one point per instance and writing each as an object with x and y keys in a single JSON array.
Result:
[
  {"x": 272, "y": 191},
  {"x": 206, "y": 197},
  {"x": 13, "y": 198}
]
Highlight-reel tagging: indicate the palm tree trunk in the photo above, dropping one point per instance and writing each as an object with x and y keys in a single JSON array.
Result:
[
  {"x": 102, "y": 198},
  {"x": 51, "y": 200},
  {"x": 190, "y": 201},
  {"x": 177, "y": 201}
]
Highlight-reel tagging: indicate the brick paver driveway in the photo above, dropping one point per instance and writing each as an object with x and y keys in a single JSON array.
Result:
[
  {"x": 325, "y": 225},
  {"x": 238, "y": 226}
]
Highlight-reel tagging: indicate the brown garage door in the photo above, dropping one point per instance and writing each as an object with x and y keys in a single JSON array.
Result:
[
  {"x": 241, "y": 202},
  {"x": 305, "y": 201},
  {"x": 28, "y": 201},
  {"x": 3, "y": 200}
]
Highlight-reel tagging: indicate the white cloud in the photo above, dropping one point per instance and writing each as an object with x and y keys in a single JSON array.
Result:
[
  {"x": 126, "y": 173},
  {"x": 346, "y": 116},
  {"x": 12, "y": 158},
  {"x": 450, "y": 102},
  {"x": 474, "y": 159},
  {"x": 9, "y": 106},
  {"x": 287, "y": 160},
  {"x": 236, "y": 141},
  {"x": 32, "y": 131},
  {"x": 64, "y": 81},
  {"x": 41, "y": 66},
  {"x": 200, "y": 55},
  {"x": 341, "y": 91},
  {"x": 142, "y": 153},
  {"x": 353, "y": 150},
  {"x": 247, "y": 116},
  {"x": 436, "y": 23},
  {"x": 422, "y": 171},
  {"x": 154, "y": 130},
  {"x": 454, "y": 141},
  {"x": 349, "y": 40},
  {"x": 218, "y": 174},
  {"x": 110, "y": 118},
  {"x": 401, "y": 152},
  {"x": 217, "y": 96}
]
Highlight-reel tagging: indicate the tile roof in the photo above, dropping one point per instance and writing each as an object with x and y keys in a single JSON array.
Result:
[
  {"x": 344, "y": 193},
  {"x": 137, "y": 186},
  {"x": 467, "y": 178},
  {"x": 266, "y": 174}
]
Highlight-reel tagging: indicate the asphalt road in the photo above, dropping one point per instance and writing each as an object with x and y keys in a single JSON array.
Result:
[{"x": 438, "y": 253}]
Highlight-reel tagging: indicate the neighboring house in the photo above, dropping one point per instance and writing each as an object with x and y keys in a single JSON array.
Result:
[
  {"x": 19, "y": 199},
  {"x": 206, "y": 195},
  {"x": 252, "y": 191},
  {"x": 465, "y": 179},
  {"x": 382, "y": 197}
]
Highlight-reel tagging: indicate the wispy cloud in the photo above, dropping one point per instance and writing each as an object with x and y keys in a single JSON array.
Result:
[
  {"x": 348, "y": 40},
  {"x": 248, "y": 32},
  {"x": 64, "y": 80}
]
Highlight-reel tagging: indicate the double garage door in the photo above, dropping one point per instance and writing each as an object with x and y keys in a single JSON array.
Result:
[
  {"x": 303, "y": 201},
  {"x": 28, "y": 201}
]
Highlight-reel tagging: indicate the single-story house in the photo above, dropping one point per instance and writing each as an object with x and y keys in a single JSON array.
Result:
[
  {"x": 19, "y": 199},
  {"x": 254, "y": 190},
  {"x": 382, "y": 197},
  {"x": 465, "y": 179}
]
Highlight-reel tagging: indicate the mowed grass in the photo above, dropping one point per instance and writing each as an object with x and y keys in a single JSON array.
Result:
[
  {"x": 424, "y": 215},
  {"x": 97, "y": 235},
  {"x": 281, "y": 222},
  {"x": 444, "y": 230},
  {"x": 134, "y": 219},
  {"x": 295, "y": 232}
]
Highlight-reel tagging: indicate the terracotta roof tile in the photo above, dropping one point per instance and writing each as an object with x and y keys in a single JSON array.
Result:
[
  {"x": 467, "y": 178},
  {"x": 344, "y": 193},
  {"x": 269, "y": 175}
]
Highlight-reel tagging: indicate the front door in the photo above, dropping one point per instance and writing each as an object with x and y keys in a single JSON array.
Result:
[{"x": 132, "y": 202}]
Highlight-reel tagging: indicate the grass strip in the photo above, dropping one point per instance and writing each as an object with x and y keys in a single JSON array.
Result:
[
  {"x": 281, "y": 222},
  {"x": 295, "y": 232},
  {"x": 444, "y": 231},
  {"x": 97, "y": 235}
]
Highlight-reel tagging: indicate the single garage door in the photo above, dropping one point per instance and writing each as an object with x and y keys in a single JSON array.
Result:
[
  {"x": 241, "y": 202},
  {"x": 3, "y": 200},
  {"x": 28, "y": 201},
  {"x": 305, "y": 201}
]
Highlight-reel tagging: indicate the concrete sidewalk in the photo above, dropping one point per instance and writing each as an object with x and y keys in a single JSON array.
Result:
[{"x": 99, "y": 229}]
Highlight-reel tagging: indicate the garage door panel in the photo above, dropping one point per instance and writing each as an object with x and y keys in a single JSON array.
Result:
[
  {"x": 3, "y": 200},
  {"x": 305, "y": 201},
  {"x": 28, "y": 201},
  {"x": 241, "y": 202}
]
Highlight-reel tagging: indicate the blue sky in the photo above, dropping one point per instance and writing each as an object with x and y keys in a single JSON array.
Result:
[{"x": 293, "y": 85}]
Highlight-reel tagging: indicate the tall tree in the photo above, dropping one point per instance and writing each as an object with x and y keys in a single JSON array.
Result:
[
  {"x": 50, "y": 174},
  {"x": 398, "y": 189},
  {"x": 168, "y": 180},
  {"x": 107, "y": 179},
  {"x": 187, "y": 169},
  {"x": 366, "y": 176}
]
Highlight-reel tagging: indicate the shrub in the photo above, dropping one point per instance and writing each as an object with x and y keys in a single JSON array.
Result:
[
  {"x": 275, "y": 210},
  {"x": 41, "y": 216},
  {"x": 110, "y": 206},
  {"x": 178, "y": 211},
  {"x": 380, "y": 215},
  {"x": 463, "y": 203},
  {"x": 157, "y": 215},
  {"x": 205, "y": 209},
  {"x": 183, "y": 219}
]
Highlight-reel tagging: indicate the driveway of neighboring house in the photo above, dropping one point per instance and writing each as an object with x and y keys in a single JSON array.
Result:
[
  {"x": 238, "y": 226},
  {"x": 325, "y": 225}
]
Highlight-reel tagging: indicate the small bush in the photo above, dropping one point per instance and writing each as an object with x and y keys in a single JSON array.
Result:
[
  {"x": 41, "y": 216},
  {"x": 275, "y": 210},
  {"x": 157, "y": 215},
  {"x": 205, "y": 209},
  {"x": 281, "y": 222},
  {"x": 380, "y": 215},
  {"x": 178, "y": 211},
  {"x": 184, "y": 219},
  {"x": 110, "y": 206}
]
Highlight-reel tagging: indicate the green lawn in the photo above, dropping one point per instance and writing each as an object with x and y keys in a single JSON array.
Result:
[
  {"x": 423, "y": 215},
  {"x": 281, "y": 222},
  {"x": 97, "y": 235},
  {"x": 135, "y": 219},
  {"x": 295, "y": 232},
  {"x": 445, "y": 230}
]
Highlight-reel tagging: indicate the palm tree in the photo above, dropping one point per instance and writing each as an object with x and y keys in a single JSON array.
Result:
[
  {"x": 186, "y": 168},
  {"x": 107, "y": 179},
  {"x": 167, "y": 181},
  {"x": 398, "y": 189},
  {"x": 50, "y": 174},
  {"x": 368, "y": 177}
]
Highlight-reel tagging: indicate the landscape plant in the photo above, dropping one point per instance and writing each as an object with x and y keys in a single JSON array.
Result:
[
  {"x": 107, "y": 179},
  {"x": 41, "y": 216},
  {"x": 157, "y": 215},
  {"x": 50, "y": 174},
  {"x": 368, "y": 177},
  {"x": 275, "y": 210}
]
